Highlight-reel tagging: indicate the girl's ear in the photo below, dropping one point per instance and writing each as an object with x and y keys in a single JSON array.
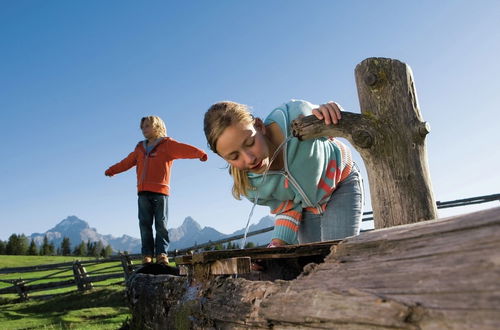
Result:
[{"x": 259, "y": 126}]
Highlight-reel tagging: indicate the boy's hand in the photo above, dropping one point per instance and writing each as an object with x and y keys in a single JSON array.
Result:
[
  {"x": 275, "y": 242},
  {"x": 330, "y": 112},
  {"x": 204, "y": 158},
  {"x": 108, "y": 173}
]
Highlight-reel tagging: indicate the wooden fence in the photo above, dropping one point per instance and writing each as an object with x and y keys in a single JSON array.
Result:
[{"x": 67, "y": 274}]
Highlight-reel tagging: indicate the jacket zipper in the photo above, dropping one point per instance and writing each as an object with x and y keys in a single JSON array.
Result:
[
  {"x": 144, "y": 171},
  {"x": 146, "y": 164},
  {"x": 287, "y": 175},
  {"x": 296, "y": 184}
]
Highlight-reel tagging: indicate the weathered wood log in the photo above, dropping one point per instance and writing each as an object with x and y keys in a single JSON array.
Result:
[
  {"x": 439, "y": 274},
  {"x": 390, "y": 136}
]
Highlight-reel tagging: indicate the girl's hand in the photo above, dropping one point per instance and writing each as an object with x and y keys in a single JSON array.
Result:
[{"x": 330, "y": 112}]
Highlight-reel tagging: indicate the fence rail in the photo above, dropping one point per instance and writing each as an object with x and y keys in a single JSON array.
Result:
[{"x": 85, "y": 280}]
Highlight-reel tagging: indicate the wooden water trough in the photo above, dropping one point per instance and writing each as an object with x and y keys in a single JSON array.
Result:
[{"x": 438, "y": 274}]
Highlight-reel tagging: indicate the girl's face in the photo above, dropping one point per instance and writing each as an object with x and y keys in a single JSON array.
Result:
[
  {"x": 244, "y": 146},
  {"x": 147, "y": 129}
]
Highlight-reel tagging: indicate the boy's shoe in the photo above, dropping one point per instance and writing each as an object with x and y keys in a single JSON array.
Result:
[
  {"x": 162, "y": 259},
  {"x": 147, "y": 260}
]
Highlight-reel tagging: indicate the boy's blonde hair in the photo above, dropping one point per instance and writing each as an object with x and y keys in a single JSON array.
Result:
[
  {"x": 218, "y": 117},
  {"x": 159, "y": 129}
]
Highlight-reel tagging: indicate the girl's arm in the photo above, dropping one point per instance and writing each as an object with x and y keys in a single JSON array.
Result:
[
  {"x": 287, "y": 222},
  {"x": 178, "y": 150},
  {"x": 127, "y": 163}
]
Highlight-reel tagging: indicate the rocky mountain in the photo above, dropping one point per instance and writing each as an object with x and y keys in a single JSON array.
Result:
[{"x": 186, "y": 235}]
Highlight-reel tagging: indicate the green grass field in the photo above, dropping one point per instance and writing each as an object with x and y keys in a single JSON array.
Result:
[{"x": 103, "y": 307}]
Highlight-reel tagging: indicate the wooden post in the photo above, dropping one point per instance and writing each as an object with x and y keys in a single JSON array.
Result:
[
  {"x": 390, "y": 136},
  {"x": 127, "y": 265},
  {"x": 81, "y": 277},
  {"x": 21, "y": 289},
  {"x": 77, "y": 275}
]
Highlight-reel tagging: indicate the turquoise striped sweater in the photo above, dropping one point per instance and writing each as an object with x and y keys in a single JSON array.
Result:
[{"x": 313, "y": 169}]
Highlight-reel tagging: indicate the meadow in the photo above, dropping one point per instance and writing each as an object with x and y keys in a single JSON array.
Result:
[{"x": 103, "y": 307}]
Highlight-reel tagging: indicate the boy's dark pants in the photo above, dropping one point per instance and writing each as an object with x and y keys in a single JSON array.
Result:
[{"x": 153, "y": 206}]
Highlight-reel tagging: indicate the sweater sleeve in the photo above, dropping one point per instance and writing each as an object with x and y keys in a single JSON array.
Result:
[
  {"x": 125, "y": 164},
  {"x": 284, "y": 114},
  {"x": 287, "y": 221},
  {"x": 178, "y": 150}
]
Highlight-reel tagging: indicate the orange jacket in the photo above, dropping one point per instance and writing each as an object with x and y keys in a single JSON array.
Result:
[{"x": 153, "y": 169}]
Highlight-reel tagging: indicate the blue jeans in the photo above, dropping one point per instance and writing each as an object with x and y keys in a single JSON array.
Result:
[
  {"x": 153, "y": 206},
  {"x": 343, "y": 214}
]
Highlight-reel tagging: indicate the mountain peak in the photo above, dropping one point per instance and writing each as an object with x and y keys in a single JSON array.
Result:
[
  {"x": 71, "y": 223},
  {"x": 190, "y": 224}
]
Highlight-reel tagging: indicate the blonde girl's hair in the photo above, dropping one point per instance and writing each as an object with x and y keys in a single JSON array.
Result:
[
  {"x": 159, "y": 129},
  {"x": 218, "y": 117}
]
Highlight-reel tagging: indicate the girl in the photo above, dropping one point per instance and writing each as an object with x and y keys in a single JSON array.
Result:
[
  {"x": 153, "y": 158},
  {"x": 312, "y": 186}
]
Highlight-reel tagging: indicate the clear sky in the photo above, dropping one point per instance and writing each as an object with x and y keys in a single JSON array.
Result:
[{"x": 77, "y": 76}]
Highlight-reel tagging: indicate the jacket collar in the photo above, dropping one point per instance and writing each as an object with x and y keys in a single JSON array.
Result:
[{"x": 156, "y": 143}]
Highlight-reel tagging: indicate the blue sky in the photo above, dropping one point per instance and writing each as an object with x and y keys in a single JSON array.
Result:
[{"x": 76, "y": 77}]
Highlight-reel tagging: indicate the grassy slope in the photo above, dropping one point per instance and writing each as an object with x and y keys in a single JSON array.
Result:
[
  {"x": 21, "y": 261},
  {"x": 102, "y": 308}
]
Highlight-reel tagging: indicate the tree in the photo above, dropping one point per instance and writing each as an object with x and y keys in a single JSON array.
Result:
[
  {"x": 3, "y": 246},
  {"x": 65, "y": 247},
  {"x": 45, "y": 249},
  {"x": 249, "y": 245},
  {"x": 33, "y": 249},
  {"x": 98, "y": 249},
  {"x": 107, "y": 251},
  {"x": 51, "y": 249},
  {"x": 91, "y": 248},
  {"x": 80, "y": 250},
  {"x": 17, "y": 245}
]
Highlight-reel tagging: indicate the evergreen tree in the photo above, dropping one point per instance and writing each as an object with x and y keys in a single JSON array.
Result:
[
  {"x": 45, "y": 249},
  {"x": 17, "y": 245},
  {"x": 107, "y": 251},
  {"x": 209, "y": 247},
  {"x": 98, "y": 249},
  {"x": 33, "y": 249},
  {"x": 11, "y": 246},
  {"x": 249, "y": 245},
  {"x": 65, "y": 247},
  {"x": 80, "y": 250},
  {"x": 52, "y": 249},
  {"x": 2, "y": 247},
  {"x": 94, "y": 249},
  {"x": 89, "y": 247}
]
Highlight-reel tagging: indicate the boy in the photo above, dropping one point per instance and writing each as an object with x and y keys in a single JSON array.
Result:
[{"x": 153, "y": 158}]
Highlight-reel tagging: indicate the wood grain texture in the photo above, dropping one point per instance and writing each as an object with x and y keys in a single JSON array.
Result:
[
  {"x": 390, "y": 136},
  {"x": 440, "y": 274}
]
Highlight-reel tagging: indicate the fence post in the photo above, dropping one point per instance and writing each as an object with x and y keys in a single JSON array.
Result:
[
  {"x": 77, "y": 275},
  {"x": 390, "y": 137},
  {"x": 127, "y": 265},
  {"x": 21, "y": 289},
  {"x": 81, "y": 277}
]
